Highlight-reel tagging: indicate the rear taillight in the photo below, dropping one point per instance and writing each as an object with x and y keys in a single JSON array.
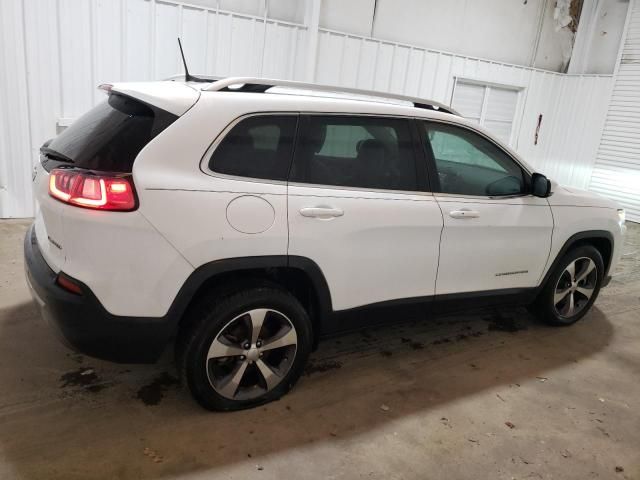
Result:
[{"x": 89, "y": 190}]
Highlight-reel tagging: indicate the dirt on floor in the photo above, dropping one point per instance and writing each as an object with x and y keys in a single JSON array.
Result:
[{"x": 488, "y": 394}]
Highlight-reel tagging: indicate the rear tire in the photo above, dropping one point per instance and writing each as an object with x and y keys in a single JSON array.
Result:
[
  {"x": 571, "y": 288},
  {"x": 229, "y": 357}
]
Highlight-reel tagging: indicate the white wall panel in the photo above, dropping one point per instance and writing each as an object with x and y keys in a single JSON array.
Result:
[
  {"x": 15, "y": 137},
  {"x": 572, "y": 106},
  {"x": 617, "y": 170},
  {"x": 54, "y": 53}
]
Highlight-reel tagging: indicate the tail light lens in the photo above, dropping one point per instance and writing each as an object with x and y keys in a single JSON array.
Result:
[{"x": 100, "y": 192}]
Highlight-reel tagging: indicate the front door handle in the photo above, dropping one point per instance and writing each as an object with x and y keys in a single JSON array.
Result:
[
  {"x": 321, "y": 212},
  {"x": 464, "y": 213}
]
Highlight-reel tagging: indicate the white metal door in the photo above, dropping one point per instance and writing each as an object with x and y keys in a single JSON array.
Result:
[
  {"x": 495, "y": 236},
  {"x": 357, "y": 208},
  {"x": 371, "y": 246},
  {"x": 490, "y": 106},
  {"x": 616, "y": 173},
  {"x": 497, "y": 244}
]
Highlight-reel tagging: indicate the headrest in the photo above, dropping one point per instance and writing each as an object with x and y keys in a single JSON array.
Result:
[
  {"x": 315, "y": 136},
  {"x": 370, "y": 146}
]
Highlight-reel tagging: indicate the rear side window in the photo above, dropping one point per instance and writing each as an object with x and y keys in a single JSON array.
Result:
[
  {"x": 361, "y": 152},
  {"x": 109, "y": 136},
  {"x": 257, "y": 147}
]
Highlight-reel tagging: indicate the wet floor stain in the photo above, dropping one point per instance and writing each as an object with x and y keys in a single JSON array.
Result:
[
  {"x": 153, "y": 393},
  {"x": 501, "y": 323},
  {"x": 318, "y": 367},
  {"x": 83, "y": 377}
]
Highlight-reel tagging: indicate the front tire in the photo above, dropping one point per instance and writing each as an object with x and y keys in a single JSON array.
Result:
[
  {"x": 246, "y": 349},
  {"x": 572, "y": 287}
]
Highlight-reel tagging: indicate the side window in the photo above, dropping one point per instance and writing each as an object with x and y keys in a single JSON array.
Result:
[
  {"x": 469, "y": 164},
  {"x": 363, "y": 152},
  {"x": 257, "y": 147}
]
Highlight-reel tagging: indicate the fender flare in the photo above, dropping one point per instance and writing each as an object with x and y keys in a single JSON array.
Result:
[
  {"x": 210, "y": 270},
  {"x": 571, "y": 241}
]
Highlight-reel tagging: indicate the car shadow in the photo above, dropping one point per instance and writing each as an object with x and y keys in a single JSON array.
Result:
[{"x": 64, "y": 415}]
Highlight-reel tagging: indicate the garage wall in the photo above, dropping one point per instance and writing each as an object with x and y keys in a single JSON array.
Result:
[
  {"x": 87, "y": 42},
  {"x": 15, "y": 124},
  {"x": 572, "y": 106},
  {"x": 503, "y": 30},
  {"x": 54, "y": 54},
  {"x": 617, "y": 170}
]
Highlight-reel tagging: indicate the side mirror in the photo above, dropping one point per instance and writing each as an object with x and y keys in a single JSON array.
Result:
[{"x": 540, "y": 185}]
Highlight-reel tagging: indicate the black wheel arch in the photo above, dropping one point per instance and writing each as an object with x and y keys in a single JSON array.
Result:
[
  {"x": 299, "y": 275},
  {"x": 600, "y": 239}
]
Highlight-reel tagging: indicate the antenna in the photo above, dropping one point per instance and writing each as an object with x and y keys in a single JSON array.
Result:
[{"x": 187, "y": 76}]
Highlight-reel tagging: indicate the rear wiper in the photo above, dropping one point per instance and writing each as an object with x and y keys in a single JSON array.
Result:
[{"x": 53, "y": 155}]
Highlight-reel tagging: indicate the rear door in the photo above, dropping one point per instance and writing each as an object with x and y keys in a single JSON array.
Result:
[
  {"x": 359, "y": 207},
  {"x": 496, "y": 235}
]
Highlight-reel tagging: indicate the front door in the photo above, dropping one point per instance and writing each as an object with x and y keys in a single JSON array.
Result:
[{"x": 496, "y": 236}]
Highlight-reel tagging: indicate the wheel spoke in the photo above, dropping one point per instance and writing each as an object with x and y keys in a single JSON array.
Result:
[
  {"x": 570, "y": 306},
  {"x": 230, "y": 387},
  {"x": 288, "y": 338},
  {"x": 257, "y": 318},
  {"x": 271, "y": 377},
  {"x": 239, "y": 372},
  {"x": 559, "y": 296},
  {"x": 221, "y": 350},
  {"x": 586, "y": 271},
  {"x": 586, "y": 291},
  {"x": 571, "y": 268}
]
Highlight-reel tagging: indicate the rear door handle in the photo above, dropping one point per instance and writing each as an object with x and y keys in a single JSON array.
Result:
[
  {"x": 464, "y": 213},
  {"x": 321, "y": 212}
]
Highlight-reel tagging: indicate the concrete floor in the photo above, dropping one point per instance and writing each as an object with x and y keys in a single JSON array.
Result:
[{"x": 490, "y": 394}]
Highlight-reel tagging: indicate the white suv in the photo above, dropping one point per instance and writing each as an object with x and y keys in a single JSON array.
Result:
[{"x": 242, "y": 219}]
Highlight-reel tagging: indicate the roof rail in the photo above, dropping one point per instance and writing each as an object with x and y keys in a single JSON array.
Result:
[{"x": 261, "y": 85}]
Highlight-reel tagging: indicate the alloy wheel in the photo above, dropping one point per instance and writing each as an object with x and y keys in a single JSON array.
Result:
[
  {"x": 575, "y": 287},
  {"x": 251, "y": 354}
]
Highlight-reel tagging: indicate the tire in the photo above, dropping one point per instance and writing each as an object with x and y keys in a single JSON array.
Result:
[
  {"x": 554, "y": 308},
  {"x": 233, "y": 379}
]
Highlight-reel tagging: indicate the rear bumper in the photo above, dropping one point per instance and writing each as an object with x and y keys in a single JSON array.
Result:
[{"x": 84, "y": 324}]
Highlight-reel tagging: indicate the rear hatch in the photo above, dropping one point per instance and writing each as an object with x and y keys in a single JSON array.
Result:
[{"x": 106, "y": 139}]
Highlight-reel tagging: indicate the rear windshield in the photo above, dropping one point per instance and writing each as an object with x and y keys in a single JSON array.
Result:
[{"x": 109, "y": 136}]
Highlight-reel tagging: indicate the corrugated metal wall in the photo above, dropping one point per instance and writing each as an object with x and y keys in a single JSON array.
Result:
[
  {"x": 617, "y": 170},
  {"x": 54, "y": 53},
  {"x": 572, "y": 106}
]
